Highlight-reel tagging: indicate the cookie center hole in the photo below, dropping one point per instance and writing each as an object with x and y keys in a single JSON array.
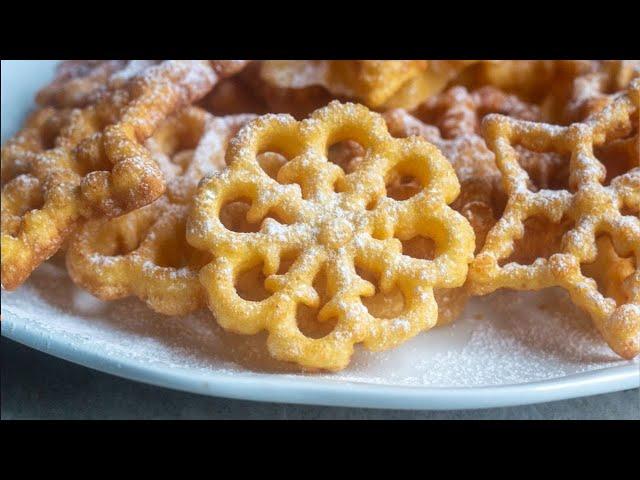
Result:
[
  {"x": 546, "y": 170},
  {"x": 541, "y": 239}
]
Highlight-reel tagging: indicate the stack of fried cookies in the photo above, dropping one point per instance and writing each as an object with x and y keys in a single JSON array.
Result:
[{"x": 332, "y": 203}]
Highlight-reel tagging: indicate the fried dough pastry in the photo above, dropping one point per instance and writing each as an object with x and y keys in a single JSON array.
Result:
[
  {"x": 96, "y": 165},
  {"x": 299, "y": 102},
  {"x": 144, "y": 252},
  {"x": 451, "y": 121},
  {"x": 566, "y": 90},
  {"x": 428, "y": 83},
  {"x": 315, "y": 224},
  {"x": 233, "y": 96},
  {"x": 594, "y": 90},
  {"x": 454, "y": 120},
  {"x": 78, "y": 82},
  {"x": 370, "y": 81},
  {"x": 378, "y": 84},
  {"x": 531, "y": 80},
  {"x": 594, "y": 218},
  {"x": 38, "y": 134},
  {"x": 458, "y": 112}
]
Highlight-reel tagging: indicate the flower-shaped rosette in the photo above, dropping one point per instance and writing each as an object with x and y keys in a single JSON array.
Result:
[
  {"x": 333, "y": 221},
  {"x": 584, "y": 213}
]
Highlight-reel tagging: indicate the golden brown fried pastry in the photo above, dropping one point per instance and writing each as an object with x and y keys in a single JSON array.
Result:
[
  {"x": 314, "y": 222},
  {"x": 589, "y": 208},
  {"x": 97, "y": 164},
  {"x": 144, "y": 252}
]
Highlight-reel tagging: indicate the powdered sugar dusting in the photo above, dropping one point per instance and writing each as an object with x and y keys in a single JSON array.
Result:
[{"x": 505, "y": 338}]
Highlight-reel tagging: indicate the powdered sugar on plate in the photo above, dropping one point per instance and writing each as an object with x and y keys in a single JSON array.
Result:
[{"x": 502, "y": 339}]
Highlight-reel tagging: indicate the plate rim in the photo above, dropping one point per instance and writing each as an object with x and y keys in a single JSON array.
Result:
[{"x": 268, "y": 387}]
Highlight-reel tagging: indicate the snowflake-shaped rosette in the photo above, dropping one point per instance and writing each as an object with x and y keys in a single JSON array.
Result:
[
  {"x": 144, "y": 252},
  {"x": 333, "y": 221},
  {"x": 591, "y": 210},
  {"x": 97, "y": 165}
]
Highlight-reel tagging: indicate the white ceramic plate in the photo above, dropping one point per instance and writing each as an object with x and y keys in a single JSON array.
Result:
[{"x": 507, "y": 349}]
